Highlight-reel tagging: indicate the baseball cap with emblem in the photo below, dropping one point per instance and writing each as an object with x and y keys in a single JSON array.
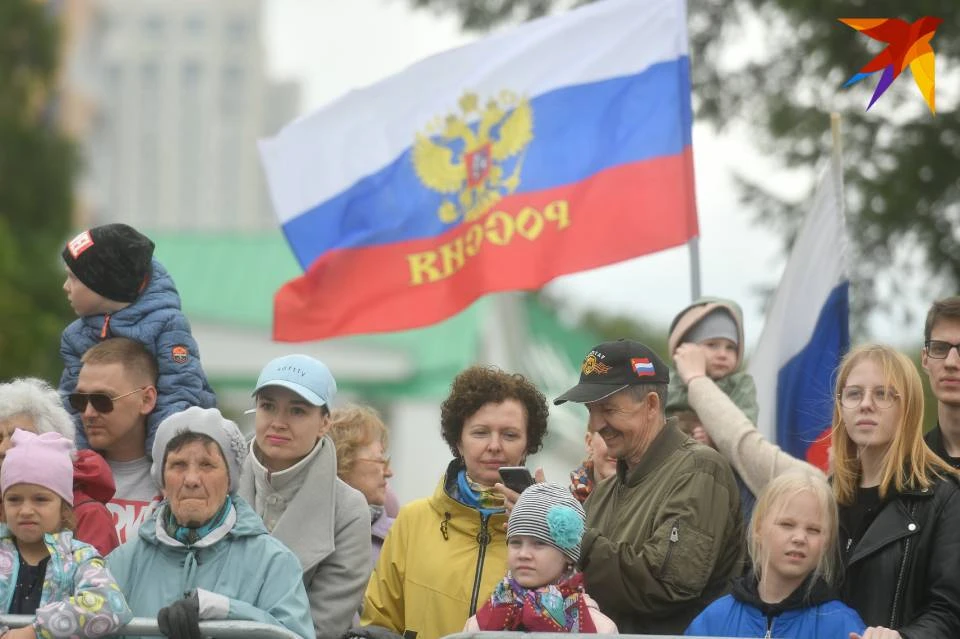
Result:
[
  {"x": 612, "y": 366},
  {"x": 307, "y": 377}
]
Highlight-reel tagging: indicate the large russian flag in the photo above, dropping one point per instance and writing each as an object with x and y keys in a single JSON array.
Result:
[
  {"x": 559, "y": 146},
  {"x": 807, "y": 332}
]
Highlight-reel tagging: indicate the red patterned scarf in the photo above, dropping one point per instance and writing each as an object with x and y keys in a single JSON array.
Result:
[{"x": 558, "y": 607}]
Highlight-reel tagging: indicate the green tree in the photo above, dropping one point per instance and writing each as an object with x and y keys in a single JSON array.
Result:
[
  {"x": 37, "y": 165},
  {"x": 903, "y": 191}
]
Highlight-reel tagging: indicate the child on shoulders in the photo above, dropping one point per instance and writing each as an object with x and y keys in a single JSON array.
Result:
[
  {"x": 716, "y": 325},
  {"x": 118, "y": 290}
]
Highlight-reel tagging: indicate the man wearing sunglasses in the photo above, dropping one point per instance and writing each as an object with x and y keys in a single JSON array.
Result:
[
  {"x": 941, "y": 359},
  {"x": 114, "y": 395}
]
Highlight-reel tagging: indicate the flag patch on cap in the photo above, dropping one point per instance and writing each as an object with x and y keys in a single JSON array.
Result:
[{"x": 643, "y": 367}]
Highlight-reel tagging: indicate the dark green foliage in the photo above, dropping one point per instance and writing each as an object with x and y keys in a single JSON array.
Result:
[
  {"x": 903, "y": 184},
  {"x": 37, "y": 164}
]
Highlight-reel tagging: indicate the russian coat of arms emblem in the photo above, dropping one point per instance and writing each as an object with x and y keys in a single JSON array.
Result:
[{"x": 475, "y": 157}]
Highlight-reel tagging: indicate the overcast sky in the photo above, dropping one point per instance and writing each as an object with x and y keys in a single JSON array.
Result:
[{"x": 332, "y": 47}]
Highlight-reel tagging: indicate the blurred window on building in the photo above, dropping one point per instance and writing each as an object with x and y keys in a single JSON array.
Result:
[
  {"x": 191, "y": 142},
  {"x": 113, "y": 149},
  {"x": 237, "y": 30},
  {"x": 231, "y": 91},
  {"x": 196, "y": 25},
  {"x": 147, "y": 204},
  {"x": 153, "y": 26}
]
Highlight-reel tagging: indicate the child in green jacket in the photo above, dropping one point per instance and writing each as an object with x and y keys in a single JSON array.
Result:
[{"x": 717, "y": 326}]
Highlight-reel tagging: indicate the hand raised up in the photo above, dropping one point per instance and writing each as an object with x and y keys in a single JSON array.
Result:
[
  {"x": 690, "y": 360},
  {"x": 510, "y": 497}
]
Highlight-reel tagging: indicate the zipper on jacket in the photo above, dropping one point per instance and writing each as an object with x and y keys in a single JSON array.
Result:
[
  {"x": 674, "y": 538},
  {"x": 105, "y": 331},
  {"x": 903, "y": 569},
  {"x": 769, "y": 627},
  {"x": 483, "y": 538},
  {"x": 443, "y": 527}
]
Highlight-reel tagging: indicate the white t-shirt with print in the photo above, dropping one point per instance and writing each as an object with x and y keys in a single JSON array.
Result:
[{"x": 137, "y": 495}]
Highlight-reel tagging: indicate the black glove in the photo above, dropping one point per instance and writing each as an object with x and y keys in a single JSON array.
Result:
[
  {"x": 370, "y": 632},
  {"x": 181, "y": 619}
]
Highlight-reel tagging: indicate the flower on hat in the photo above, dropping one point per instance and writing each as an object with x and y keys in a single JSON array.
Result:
[{"x": 566, "y": 526}]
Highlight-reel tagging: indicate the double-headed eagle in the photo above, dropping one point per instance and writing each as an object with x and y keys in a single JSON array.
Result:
[{"x": 466, "y": 155}]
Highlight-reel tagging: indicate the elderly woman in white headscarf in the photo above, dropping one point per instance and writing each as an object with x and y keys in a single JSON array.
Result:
[{"x": 205, "y": 554}]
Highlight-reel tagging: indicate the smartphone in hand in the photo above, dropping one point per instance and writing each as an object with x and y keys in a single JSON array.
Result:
[{"x": 516, "y": 478}]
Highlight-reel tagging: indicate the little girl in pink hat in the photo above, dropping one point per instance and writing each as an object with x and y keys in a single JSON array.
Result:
[{"x": 44, "y": 571}]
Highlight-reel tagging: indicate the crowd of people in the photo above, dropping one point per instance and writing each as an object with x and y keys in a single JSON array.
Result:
[{"x": 126, "y": 493}]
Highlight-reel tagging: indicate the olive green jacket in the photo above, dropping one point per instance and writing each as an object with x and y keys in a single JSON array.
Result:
[{"x": 664, "y": 539}]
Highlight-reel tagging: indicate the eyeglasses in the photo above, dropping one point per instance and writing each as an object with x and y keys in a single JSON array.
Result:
[
  {"x": 940, "y": 350},
  {"x": 385, "y": 462},
  {"x": 853, "y": 396},
  {"x": 101, "y": 402}
]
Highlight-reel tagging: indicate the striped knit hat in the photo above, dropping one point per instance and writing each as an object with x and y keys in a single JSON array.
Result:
[{"x": 552, "y": 514}]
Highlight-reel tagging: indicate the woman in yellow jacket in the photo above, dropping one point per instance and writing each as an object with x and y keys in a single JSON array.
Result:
[{"x": 446, "y": 553}]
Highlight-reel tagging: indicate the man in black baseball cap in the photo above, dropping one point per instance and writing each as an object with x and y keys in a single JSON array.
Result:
[{"x": 668, "y": 523}]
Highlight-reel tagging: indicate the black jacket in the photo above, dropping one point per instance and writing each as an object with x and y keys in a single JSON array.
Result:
[
  {"x": 904, "y": 573},
  {"x": 934, "y": 439}
]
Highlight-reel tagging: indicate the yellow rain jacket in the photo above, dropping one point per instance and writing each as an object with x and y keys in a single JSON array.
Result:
[{"x": 439, "y": 563}]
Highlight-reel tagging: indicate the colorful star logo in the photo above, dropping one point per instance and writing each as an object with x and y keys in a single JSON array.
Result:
[{"x": 907, "y": 44}]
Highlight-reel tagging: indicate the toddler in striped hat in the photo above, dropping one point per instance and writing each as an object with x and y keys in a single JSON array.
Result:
[{"x": 543, "y": 590}]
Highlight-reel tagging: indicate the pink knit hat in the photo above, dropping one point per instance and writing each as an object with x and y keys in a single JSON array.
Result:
[{"x": 43, "y": 460}]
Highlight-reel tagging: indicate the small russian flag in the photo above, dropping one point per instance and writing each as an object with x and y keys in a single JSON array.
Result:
[{"x": 643, "y": 367}]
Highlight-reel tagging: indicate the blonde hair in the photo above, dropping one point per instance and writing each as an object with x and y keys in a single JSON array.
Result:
[
  {"x": 772, "y": 503},
  {"x": 351, "y": 428},
  {"x": 908, "y": 462}
]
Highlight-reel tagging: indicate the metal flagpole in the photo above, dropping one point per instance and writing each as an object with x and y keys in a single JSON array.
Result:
[
  {"x": 836, "y": 157},
  {"x": 694, "y": 245}
]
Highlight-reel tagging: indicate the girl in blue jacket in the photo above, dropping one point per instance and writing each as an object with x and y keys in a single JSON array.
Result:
[{"x": 788, "y": 593}]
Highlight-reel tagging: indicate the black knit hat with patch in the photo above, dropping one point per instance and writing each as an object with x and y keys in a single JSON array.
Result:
[{"x": 112, "y": 260}]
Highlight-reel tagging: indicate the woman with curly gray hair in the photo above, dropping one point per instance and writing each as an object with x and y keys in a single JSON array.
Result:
[{"x": 32, "y": 404}]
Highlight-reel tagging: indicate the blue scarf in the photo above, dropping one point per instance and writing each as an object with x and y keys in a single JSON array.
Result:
[
  {"x": 189, "y": 536},
  {"x": 486, "y": 501}
]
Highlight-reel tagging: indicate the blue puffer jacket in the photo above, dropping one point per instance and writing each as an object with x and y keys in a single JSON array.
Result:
[
  {"x": 156, "y": 321},
  {"x": 812, "y": 613}
]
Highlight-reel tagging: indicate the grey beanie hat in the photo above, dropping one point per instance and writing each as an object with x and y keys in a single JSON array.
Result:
[
  {"x": 718, "y": 323},
  {"x": 552, "y": 514},
  {"x": 206, "y": 421}
]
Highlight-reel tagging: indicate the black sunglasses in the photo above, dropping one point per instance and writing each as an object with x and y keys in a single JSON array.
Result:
[{"x": 101, "y": 402}]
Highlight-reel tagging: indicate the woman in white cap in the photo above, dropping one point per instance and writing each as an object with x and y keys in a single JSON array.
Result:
[
  {"x": 290, "y": 478},
  {"x": 543, "y": 590}
]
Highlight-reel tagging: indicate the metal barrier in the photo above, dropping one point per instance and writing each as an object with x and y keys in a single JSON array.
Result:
[
  {"x": 147, "y": 627},
  {"x": 550, "y": 635}
]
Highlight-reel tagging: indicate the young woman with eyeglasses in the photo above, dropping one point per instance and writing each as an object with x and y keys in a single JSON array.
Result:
[{"x": 899, "y": 503}]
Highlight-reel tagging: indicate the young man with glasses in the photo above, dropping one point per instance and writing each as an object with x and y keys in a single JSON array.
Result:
[
  {"x": 941, "y": 359},
  {"x": 115, "y": 394}
]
